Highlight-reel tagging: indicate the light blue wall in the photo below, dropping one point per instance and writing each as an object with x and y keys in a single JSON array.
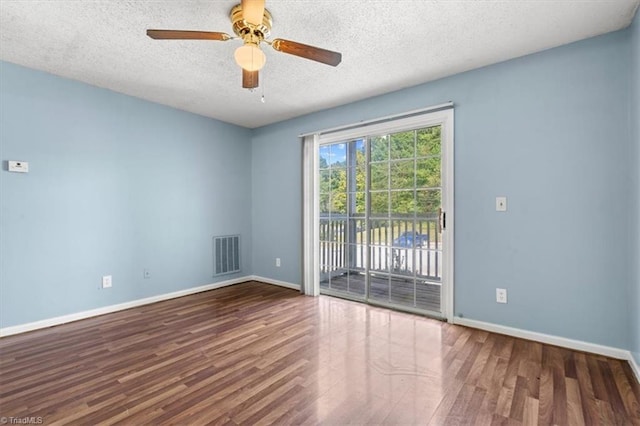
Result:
[
  {"x": 277, "y": 195},
  {"x": 634, "y": 297},
  {"x": 116, "y": 185},
  {"x": 550, "y": 131}
]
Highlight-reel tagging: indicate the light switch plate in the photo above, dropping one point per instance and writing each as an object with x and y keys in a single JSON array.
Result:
[
  {"x": 501, "y": 204},
  {"x": 18, "y": 166}
]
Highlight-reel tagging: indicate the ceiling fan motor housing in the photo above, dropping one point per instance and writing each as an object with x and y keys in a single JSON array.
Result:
[{"x": 249, "y": 32}]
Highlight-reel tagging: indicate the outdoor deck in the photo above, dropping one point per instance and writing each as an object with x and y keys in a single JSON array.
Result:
[{"x": 393, "y": 290}]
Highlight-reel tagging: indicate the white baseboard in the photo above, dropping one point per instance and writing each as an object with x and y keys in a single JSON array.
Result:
[
  {"x": 554, "y": 340},
  {"x": 274, "y": 282},
  {"x": 23, "y": 328},
  {"x": 546, "y": 338},
  {"x": 495, "y": 328},
  {"x": 634, "y": 366}
]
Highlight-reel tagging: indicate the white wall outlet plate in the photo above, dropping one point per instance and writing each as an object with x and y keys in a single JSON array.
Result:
[
  {"x": 18, "y": 166},
  {"x": 278, "y": 262},
  {"x": 106, "y": 281},
  {"x": 501, "y": 204},
  {"x": 501, "y": 295}
]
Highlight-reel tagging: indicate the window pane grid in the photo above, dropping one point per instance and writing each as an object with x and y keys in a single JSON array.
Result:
[{"x": 381, "y": 196}]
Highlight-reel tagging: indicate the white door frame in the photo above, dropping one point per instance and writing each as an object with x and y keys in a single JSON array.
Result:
[{"x": 312, "y": 142}]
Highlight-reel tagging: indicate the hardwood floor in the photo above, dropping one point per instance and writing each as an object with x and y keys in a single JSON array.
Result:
[{"x": 259, "y": 354}]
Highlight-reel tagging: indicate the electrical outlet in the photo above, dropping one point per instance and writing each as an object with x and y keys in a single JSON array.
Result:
[
  {"x": 278, "y": 262},
  {"x": 106, "y": 281},
  {"x": 501, "y": 295},
  {"x": 501, "y": 204},
  {"x": 146, "y": 274}
]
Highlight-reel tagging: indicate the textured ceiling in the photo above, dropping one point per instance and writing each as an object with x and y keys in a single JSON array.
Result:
[{"x": 386, "y": 45}]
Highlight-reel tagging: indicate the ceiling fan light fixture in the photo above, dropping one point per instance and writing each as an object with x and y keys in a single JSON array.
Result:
[{"x": 250, "y": 57}]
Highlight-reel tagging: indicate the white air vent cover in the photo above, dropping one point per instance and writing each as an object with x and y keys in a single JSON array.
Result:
[{"x": 226, "y": 254}]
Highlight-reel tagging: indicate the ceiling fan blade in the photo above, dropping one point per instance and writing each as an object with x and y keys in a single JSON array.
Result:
[
  {"x": 309, "y": 52},
  {"x": 249, "y": 79},
  {"x": 187, "y": 35},
  {"x": 252, "y": 11}
]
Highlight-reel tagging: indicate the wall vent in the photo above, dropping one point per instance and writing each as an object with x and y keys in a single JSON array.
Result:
[{"x": 226, "y": 254}]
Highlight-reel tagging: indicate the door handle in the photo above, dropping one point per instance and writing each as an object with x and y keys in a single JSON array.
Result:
[{"x": 442, "y": 220}]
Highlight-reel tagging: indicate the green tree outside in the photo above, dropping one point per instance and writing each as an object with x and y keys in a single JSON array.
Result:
[{"x": 405, "y": 176}]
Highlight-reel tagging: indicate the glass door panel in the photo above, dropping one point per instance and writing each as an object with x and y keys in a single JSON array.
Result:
[
  {"x": 380, "y": 236},
  {"x": 342, "y": 233},
  {"x": 405, "y": 192}
]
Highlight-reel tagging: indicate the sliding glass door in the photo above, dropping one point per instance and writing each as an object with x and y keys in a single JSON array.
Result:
[
  {"x": 381, "y": 218},
  {"x": 403, "y": 221},
  {"x": 343, "y": 206}
]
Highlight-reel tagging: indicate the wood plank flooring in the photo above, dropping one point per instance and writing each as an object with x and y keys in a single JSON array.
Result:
[{"x": 259, "y": 354}]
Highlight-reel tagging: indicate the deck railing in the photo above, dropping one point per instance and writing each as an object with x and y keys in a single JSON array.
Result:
[{"x": 399, "y": 246}]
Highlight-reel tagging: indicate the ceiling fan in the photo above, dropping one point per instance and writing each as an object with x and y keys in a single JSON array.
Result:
[{"x": 252, "y": 23}]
